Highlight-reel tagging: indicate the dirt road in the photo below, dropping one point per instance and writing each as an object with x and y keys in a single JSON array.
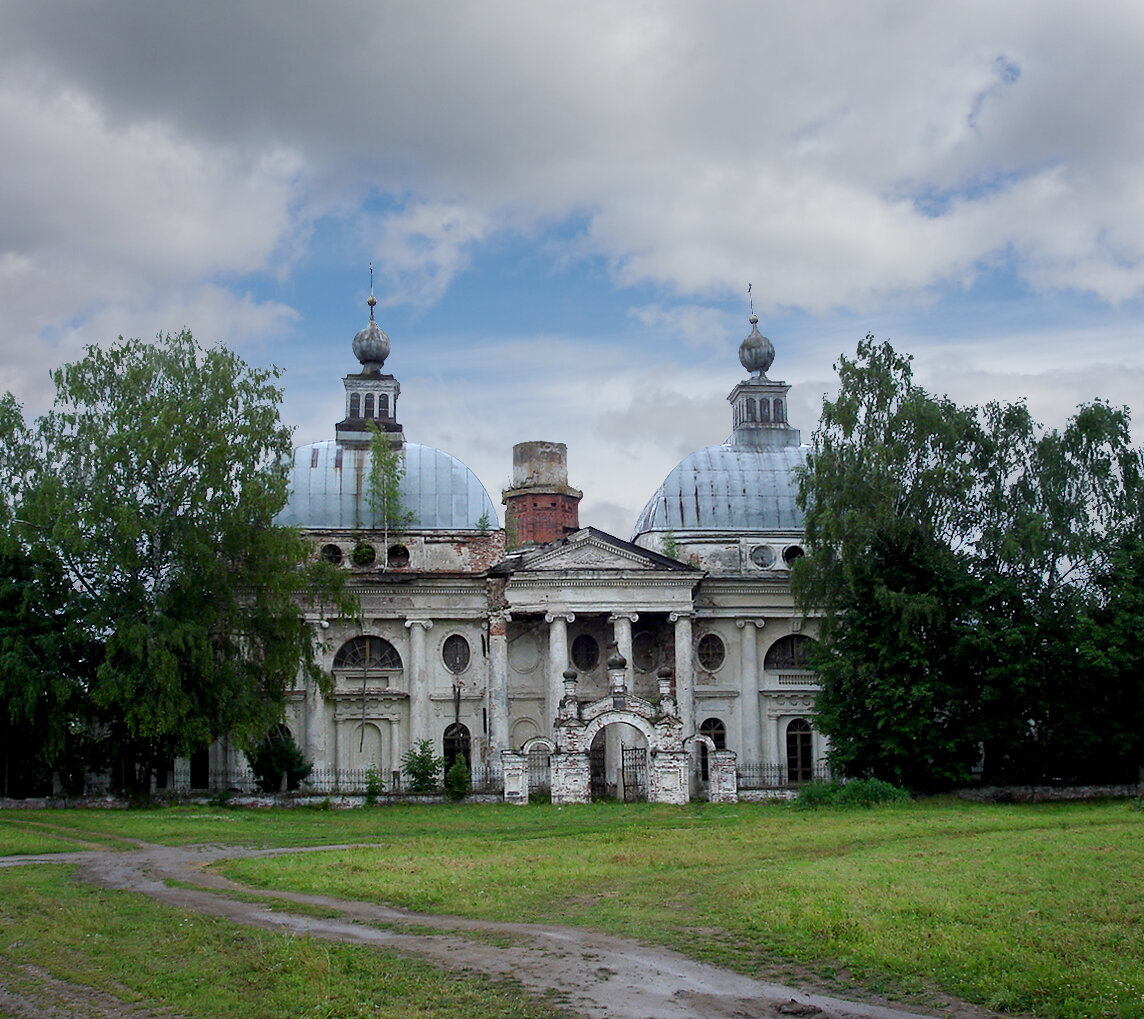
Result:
[{"x": 595, "y": 974}]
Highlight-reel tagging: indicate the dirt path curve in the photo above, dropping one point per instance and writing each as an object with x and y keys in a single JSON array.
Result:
[{"x": 595, "y": 974}]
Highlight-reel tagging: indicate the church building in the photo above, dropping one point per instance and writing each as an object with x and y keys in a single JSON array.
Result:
[{"x": 552, "y": 656}]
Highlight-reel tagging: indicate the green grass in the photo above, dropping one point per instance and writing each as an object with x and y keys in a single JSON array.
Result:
[
  {"x": 1023, "y": 908},
  {"x": 1032, "y": 908},
  {"x": 19, "y": 835},
  {"x": 139, "y": 951}
]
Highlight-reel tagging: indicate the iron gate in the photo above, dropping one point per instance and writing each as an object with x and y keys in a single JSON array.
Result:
[
  {"x": 596, "y": 773},
  {"x": 635, "y": 774}
]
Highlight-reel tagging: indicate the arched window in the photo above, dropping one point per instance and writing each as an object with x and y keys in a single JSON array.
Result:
[
  {"x": 355, "y": 405},
  {"x": 780, "y": 413},
  {"x": 715, "y": 730},
  {"x": 750, "y": 408},
  {"x": 789, "y": 652},
  {"x": 710, "y": 651},
  {"x": 457, "y": 744},
  {"x": 367, "y": 653},
  {"x": 455, "y": 653},
  {"x": 383, "y": 405},
  {"x": 799, "y": 751},
  {"x": 369, "y": 405},
  {"x": 764, "y": 410}
]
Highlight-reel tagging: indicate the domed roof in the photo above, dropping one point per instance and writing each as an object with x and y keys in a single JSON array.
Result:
[
  {"x": 329, "y": 487},
  {"x": 728, "y": 488}
]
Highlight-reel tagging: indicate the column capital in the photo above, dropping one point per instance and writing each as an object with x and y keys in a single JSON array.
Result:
[
  {"x": 615, "y": 617},
  {"x": 675, "y": 617},
  {"x": 500, "y": 616},
  {"x": 758, "y": 623},
  {"x": 425, "y": 624},
  {"x": 551, "y": 617}
]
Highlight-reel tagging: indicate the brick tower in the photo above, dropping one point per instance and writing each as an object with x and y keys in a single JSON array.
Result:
[{"x": 541, "y": 506}]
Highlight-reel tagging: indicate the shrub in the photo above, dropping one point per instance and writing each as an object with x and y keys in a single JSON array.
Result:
[
  {"x": 276, "y": 758},
  {"x": 422, "y": 766},
  {"x": 457, "y": 779},
  {"x": 374, "y": 786},
  {"x": 863, "y": 792}
]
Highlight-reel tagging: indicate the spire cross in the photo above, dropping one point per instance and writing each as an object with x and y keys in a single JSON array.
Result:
[
  {"x": 749, "y": 297},
  {"x": 372, "y": 300}
]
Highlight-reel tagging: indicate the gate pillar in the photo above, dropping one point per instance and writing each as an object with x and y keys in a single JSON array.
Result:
[{"x": 571, "y": 777}]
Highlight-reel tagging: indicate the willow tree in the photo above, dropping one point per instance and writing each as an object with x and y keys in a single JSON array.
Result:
[{"x": 159, "y": 472}]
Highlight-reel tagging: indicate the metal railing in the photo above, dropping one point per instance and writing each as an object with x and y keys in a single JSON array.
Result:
[{"x": 773, "y": 776}]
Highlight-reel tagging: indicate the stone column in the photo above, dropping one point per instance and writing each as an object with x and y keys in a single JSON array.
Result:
[
  {"x": 557, "y": 660},
  {"x": 498, "y": 680},
  {"x": 749, "y": 675},
  {"x": 684, "y": 671},
  {"x": 770, "y": 737},
  {"x": 622, "y": 634},
  {"x": 420, "y": 707}
]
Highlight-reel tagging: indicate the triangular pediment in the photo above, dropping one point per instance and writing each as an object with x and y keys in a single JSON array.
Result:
[{"x": 592, "y": 549}]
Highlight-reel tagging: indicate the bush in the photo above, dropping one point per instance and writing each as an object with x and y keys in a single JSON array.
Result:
[
  {"x": 457, "y": 779},
  {"x": 863, "y": 792},
  {"x": 422, "y": 766},
  {"x": 278, "y": 757},
  {"x": 374, "y": 786}
]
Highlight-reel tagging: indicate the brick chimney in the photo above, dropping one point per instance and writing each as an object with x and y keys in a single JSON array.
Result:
[{"x": 541, "y": 506}]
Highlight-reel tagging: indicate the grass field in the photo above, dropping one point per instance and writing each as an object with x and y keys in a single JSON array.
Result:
[{"x": 1027, "y": 908}]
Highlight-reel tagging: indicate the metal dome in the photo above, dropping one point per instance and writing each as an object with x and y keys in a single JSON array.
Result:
[
  {"x": 329, "y": 489},
  {"x": 728, "y": 488}
]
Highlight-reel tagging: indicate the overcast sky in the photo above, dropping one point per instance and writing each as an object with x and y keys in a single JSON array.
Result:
[{"x": 564, "y": 204}]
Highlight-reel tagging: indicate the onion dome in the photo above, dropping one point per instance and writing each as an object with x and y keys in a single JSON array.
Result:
[
  {"x": 371, "y": 344},
  {"x": 756, "y": 352}
]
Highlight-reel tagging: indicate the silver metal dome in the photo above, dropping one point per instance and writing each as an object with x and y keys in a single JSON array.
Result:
[
  {"x": 329, "y": 489},
  {"x": 756, "y": 352},
  {"x": 371, "y": 346},
  {"x": 727, "y": 488}
]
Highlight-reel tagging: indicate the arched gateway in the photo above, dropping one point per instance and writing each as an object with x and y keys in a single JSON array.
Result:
[{"x": 648, "y": 758}]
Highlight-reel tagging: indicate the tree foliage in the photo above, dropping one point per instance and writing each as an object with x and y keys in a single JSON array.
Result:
[
  {"x": 422, "y": 766},
  {"x": 157, "y": 476},
  {"x": 383, "y": 494},
  {"x": 955, "y": 555}
]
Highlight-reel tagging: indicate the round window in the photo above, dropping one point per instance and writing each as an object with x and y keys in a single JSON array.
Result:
[
  {"x": 792, "y": 553},
  {"x": 711, "y": 651},
  {"x": 398, "y": 556},
  {"x": 364, "y": 555},
  {"x": 455, "y": 652},
  {"x": 332, "y": 554},
  {"x": 645, "y": 652},
  {"x": 763, "y": 556},
  {"x": 585, "y": 652}
]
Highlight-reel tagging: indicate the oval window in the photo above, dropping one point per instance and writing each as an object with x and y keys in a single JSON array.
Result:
[
  {"x": 455, "y": 652},
  {"x": 645, "y": 652},
  {"x": 711, "y": 651},
  {"x": 585, "y": 652}
]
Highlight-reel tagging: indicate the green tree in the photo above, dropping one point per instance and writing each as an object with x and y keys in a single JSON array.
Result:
[
  {"x": 422, "y": 766},
  {"x": 158, "y": 474},
  {"x": 386, "y": 472},
  {"x": 277, "y": 761},
  {"x": 953, "y": 555}
]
